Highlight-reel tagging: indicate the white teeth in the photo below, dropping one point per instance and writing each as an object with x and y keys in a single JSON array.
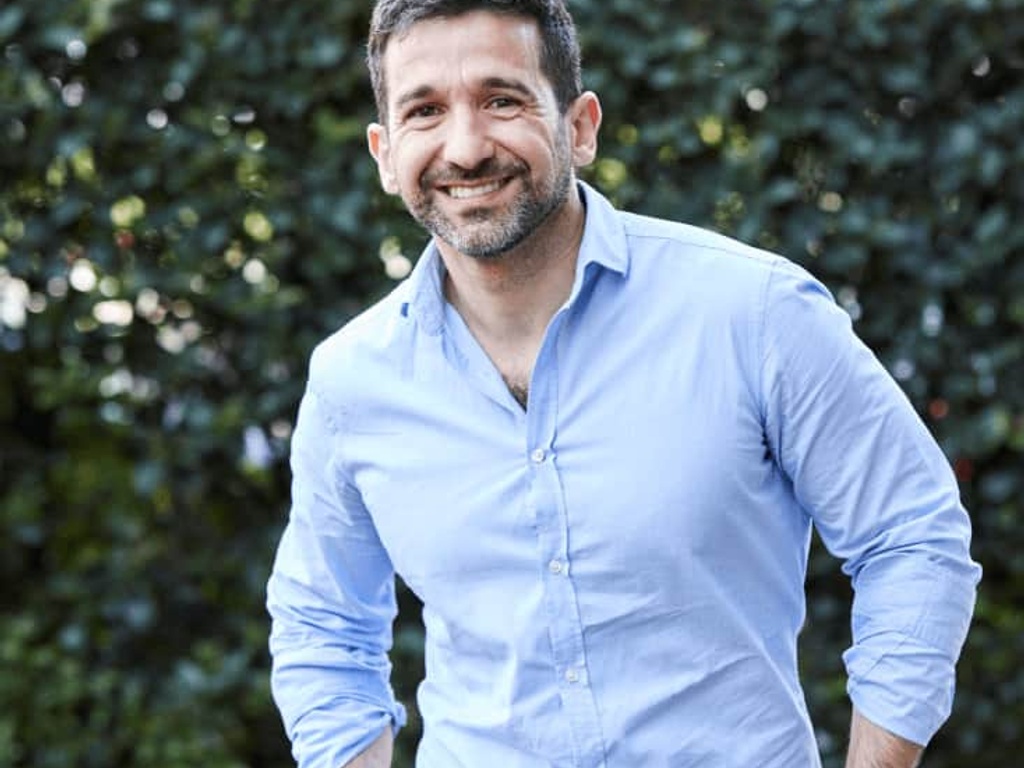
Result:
[{"x": 464, "y": 193}]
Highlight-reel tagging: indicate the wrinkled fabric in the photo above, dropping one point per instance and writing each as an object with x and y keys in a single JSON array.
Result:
[{"x": 615, "y": 576}]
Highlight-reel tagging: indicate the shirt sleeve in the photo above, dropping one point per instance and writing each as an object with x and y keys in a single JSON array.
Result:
[
  {"x": 883, "y": 499},
  {"x": 331, "y": 598}
]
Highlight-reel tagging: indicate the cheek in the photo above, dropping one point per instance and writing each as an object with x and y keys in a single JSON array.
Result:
[
  {"x": 540, "y": 149},
  {"x": 409, "y": 162}
]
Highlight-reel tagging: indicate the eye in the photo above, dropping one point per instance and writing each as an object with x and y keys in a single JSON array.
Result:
[
  {"x": 504, "y": 104},
  {"x": 422, "y": 112}
]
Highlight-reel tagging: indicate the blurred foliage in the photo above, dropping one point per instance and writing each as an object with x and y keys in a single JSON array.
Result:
[{"x": 186, "y": 207}]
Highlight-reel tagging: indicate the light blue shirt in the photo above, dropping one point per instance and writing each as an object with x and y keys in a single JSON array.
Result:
[{"x": 615, "y": 576}]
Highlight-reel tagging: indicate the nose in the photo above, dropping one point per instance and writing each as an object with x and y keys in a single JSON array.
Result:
[{"x": 466, "y": 141}]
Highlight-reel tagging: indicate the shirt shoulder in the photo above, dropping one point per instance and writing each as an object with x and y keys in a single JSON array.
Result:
[
  {"x": 727, "y": 278},
  {"x": 695, "y": 245},
  {"x": 377, "y": 336}
]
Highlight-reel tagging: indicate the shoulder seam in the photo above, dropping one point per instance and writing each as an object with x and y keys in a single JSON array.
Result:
[{"x": 738, "y": 248}]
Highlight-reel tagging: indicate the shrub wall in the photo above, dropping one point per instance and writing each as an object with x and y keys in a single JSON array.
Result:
[{"x": 186, "y": 207}]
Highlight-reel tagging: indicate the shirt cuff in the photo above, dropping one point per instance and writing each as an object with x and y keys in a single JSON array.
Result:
[
  {"x": 907, "y": 689},
  {"x": 331, "y": 737}
]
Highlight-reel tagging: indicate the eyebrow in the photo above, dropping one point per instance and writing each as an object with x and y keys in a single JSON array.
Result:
[
  {"x": 490, "y": 83},
  {"x": 505, "y": 84},
  {"x": 414, "y": 95}
]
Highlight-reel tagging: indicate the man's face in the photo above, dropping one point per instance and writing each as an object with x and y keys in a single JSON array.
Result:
[{"x": 474, "y": 142}]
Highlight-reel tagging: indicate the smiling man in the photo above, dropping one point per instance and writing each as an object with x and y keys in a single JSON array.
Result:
[{"x": 594, "y": 444}]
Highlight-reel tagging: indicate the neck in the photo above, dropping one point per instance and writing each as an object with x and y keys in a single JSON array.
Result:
[{"x": 509, "y": 299}]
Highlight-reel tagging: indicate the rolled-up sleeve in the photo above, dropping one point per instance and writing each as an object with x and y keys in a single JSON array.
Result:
[
  {"x": 331, "y": 598},
  {"x": 883, "y": 498}
]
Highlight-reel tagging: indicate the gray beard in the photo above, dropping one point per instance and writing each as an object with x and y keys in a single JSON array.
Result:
[{"x": 491, "y": 234}]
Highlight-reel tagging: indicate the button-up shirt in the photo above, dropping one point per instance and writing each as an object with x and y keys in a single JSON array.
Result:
[{"x": 614, "y": 575}]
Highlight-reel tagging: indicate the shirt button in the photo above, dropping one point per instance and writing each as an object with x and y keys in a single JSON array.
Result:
[
  {"x": 556, "y": 567},
  {"x": 572, "y": 675},
  {"x": 538, "y": 455}
]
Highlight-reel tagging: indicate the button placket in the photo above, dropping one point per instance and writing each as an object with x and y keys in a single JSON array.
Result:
[{"x": 548, "y": 503}]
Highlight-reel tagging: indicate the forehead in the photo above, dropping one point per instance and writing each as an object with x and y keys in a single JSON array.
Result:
[{"x": 440, "y": 53}]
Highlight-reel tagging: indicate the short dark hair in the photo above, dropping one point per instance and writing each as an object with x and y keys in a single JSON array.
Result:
[{"x": 560, "y": 51}]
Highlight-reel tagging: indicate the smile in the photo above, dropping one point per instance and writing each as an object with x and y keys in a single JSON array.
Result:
[{"x": 466, "y": 193}]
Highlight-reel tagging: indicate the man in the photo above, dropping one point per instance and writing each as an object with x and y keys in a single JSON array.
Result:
[{"x": 594, "y": 445}]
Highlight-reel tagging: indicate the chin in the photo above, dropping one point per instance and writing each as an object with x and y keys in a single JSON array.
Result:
[{"x": 484, "y": 251}]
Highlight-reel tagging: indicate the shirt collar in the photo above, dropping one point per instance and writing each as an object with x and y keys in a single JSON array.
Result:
[{"x": 604, "y": 244}]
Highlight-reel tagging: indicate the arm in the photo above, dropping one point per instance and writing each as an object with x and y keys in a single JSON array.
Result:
[
  {"x": 377, "y": 755},
  {"x": 332, "y": 603},
  {"x": 874, "y": 747},
  {"x": 884, "y": 500}
]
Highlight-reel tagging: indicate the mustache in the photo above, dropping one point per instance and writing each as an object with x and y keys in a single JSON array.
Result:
[{"x": 453, "y": 174}]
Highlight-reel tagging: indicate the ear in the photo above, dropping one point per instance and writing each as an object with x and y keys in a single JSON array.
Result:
[
  {"x": 585, "y": 121},
  {"x": 377, "y": 140}
]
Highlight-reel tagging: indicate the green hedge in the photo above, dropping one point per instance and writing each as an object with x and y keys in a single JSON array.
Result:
[{"x": 186, "y": 207}]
